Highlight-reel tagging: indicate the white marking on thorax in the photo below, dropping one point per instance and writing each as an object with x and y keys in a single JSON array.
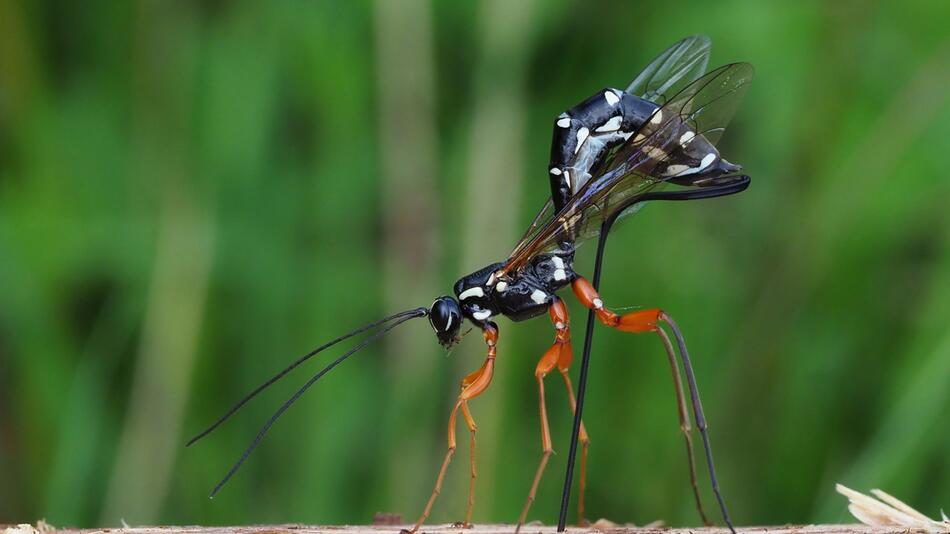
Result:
[
  {"x": 657, "y": 117},
  {"x": 581, "y": 137},
  {"x": 559, "y": 273},
  {"x": 481, "y": 315},
  {"x": 538, "y": 296},
  {"x": 555, "y": 171},
  {"x": 611, "y": 98},
  {"x": 501, "y": 286},
  {"x": 567, "y": 178},
  {"x": 472, "y": 292},
  {"x": 564, "y": 123},
  {"x": 611, "y": 125}
]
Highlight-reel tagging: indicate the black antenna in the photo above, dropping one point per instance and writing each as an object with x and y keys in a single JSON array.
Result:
[
  {"x": 404, "y": 316},
  {"x": 727, "y": 185},
  {"x": 292, "y": 366}
]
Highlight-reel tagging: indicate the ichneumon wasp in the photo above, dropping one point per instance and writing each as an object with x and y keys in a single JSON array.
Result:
[{"x": 610, "y": 154}]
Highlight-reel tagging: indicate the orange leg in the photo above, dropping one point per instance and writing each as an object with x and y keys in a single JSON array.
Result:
[
  {"x": 472, "y": 427},
  {"x": 563, "y": 364},
  {"x": 470, "y": 422},
  {"x": 646, "y": 321},
  {"x": 559, "y": 355},
  {"x": 472, "y": 386}
]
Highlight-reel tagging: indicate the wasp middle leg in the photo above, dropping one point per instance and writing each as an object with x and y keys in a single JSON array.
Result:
[
  {"x": 472, "y": 386},
  {"x": 559, "y": 355}
]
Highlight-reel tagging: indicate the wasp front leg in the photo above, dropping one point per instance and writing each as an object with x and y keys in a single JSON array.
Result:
[
  {"x": 649, "y": 321},
  {"x": 472, "y": 386},
  {"x": 559, "y": 355}
]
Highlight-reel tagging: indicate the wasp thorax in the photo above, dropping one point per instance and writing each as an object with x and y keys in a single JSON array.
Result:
[{"x": 446, "y": 319}]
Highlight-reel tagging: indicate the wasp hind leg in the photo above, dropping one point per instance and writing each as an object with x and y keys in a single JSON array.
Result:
[
  {"x": 685, "y": 427},
  {"x": 559, "y": 355},
  {"x": 563, "y": 364},
  {"x": 649, "y": 321},
  {"x": 472, "y": 386}
]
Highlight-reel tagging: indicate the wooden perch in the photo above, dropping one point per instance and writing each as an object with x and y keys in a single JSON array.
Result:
[{"x": 450, "y": 529}]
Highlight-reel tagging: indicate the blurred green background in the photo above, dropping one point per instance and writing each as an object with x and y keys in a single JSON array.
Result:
[{"x": 193, "y": 194}]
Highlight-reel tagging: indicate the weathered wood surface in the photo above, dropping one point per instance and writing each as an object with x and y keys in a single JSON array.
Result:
[{"x": 484, "y": 529}]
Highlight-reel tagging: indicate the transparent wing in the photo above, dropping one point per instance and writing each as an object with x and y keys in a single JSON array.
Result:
[
  {"x": 627, "y": 172},
  {"x": 543, "y": 216},
  {"x": 666, "y": 75},
  {"x": 673, "y": 70}
]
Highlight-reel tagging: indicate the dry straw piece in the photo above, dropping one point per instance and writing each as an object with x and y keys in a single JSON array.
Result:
[
  {"x": 42, "y": 527},
  {"x": 888, "y": 511}
]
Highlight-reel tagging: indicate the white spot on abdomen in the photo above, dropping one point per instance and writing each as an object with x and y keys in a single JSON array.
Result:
[
  {"x": 611, "y": 98},
  {"x": 539, "y": 296},
  {"x": 501, "y": 286},
  {"x": 687, "y": 137},
  {"x": 559, "y": 275},
  {"x": 707, "y": 161},
  {"x": 564, "y": 123},
  {"x": 674, "y": 170},
  {"x": 657, "y": 117},
  {"x": 481, "y": 315},
  {"x": 655, "y": 152},
  {"x": 472, "y": 292},
  {"x": 581, "y": 137},
  {"x": 611, "y": 125},
  {"x": 555, "y": 171}
]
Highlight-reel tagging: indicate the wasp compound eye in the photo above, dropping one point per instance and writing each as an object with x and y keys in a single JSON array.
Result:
[{"x": 446, "y": 319}]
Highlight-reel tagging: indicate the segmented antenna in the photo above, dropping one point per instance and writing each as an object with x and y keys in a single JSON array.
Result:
[
  {"x": 403, "y": 317},
  {"x": 292, "y": 366}
]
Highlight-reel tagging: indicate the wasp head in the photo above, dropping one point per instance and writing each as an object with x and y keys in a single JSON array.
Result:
[{"x": 446, "y": 319}]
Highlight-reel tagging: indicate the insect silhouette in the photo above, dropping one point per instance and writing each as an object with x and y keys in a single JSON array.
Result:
[{"x": 610, "y": 154}]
